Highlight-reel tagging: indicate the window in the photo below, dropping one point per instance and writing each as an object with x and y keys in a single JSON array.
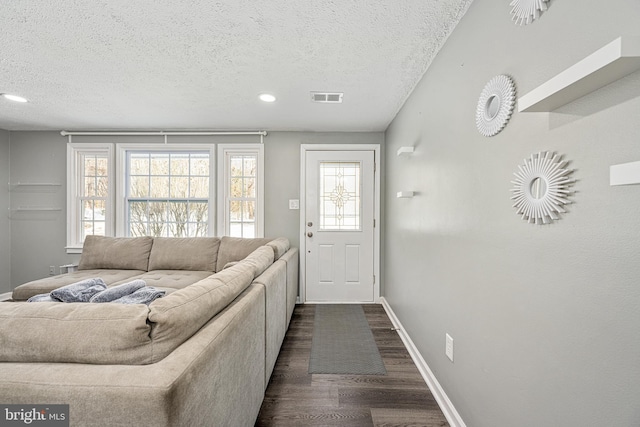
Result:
[
  {"x": 166, "y": 190},
  {"x": 240, "y": 213},
  {"x": 94, "y": 192},
  {"x": 340, "y": 196},
  {"x": 88, "y": 203},
  {"x": 167, "y": 193},
  {"x": 163, "y": 190}
]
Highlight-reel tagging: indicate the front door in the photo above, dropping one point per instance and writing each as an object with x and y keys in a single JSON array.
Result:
[{"x": 339, "y": 226}]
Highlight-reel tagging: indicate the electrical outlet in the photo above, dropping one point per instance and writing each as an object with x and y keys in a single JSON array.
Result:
[
  {"x": 448, "y": 347},
  {"x": 52, "y": 270}
]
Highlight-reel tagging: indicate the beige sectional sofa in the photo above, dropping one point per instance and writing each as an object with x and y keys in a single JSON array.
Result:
[{"x": 200, "y": 356}]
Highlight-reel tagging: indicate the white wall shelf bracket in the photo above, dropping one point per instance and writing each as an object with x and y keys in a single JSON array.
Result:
[
  {"x": 617, "y": 59},
  {"x": 406, "y": 151},
  {"x": 405, "y": 194},
  {"x": 624, "y": 174}
]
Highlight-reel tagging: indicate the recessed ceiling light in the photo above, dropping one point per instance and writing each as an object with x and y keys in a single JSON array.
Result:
[
  {"x": 267, "y": 97},
  {"x": 14, "y": 98}
]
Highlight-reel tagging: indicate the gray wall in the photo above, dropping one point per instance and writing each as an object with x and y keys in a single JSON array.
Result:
[
  {"x": 5, "y": 223},
  {"x": 38, "y": 240},
  {"x": 545, "y": 319}
]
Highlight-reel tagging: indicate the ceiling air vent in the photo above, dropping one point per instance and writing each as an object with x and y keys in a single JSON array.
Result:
[{"x": 327, "y": 97}]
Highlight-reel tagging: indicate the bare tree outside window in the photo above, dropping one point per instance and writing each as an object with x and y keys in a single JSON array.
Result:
[
  {"x": 242, "y": 195},
  {"x": 93, "y": 194},
  {"x": 168, "y": 194}
]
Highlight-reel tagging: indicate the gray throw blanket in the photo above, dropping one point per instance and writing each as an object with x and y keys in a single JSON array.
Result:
[
  {"x": 145, "y": 295},
  {"x": 115, "y": 292},
  {"x": 42, "y": 298},
  {"x": 76, "y": 292},
  {"x": 94, "y": 290},
  {"x": 79, "y": 292}
]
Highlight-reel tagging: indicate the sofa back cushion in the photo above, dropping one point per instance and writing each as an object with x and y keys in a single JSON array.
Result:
[
  {"x": 236, "y": 248},
  {"x": 280, "y": 246},
  {"x": 259, "y": 260},
  {"x": 184, "y": 253},
  {"x": 133, "y": 334},
  {"x": 180, "y": 314},
  {"x": 75, "y": 333},
  {"x": 122, "y": 253}
]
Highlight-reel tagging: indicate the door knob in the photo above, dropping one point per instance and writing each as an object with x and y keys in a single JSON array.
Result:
[
  {"x": 309, "y": 234},
  {"x": 309, "y": 224}
]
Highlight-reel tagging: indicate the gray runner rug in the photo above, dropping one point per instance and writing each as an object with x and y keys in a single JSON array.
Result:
[{"x": 342, "y": 342}]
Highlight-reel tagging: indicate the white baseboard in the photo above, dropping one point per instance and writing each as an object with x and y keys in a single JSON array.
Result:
[
  {"x": 450, "y": 413},
  {"x": 5, "y": 296}
]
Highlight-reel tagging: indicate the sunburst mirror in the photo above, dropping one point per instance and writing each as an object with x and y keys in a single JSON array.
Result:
[
  {"x": 526, "y": 11},
  {"x": 541, "y": 188},
  {"x": 495, "y": 105}
]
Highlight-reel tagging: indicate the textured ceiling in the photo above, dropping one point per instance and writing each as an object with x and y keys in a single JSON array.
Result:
[{"x": 195, "y": 64}]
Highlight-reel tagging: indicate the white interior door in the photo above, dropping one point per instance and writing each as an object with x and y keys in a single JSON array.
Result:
[{"x": 339, "y": 226}]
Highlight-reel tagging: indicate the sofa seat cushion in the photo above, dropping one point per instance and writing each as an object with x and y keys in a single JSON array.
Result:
[
  {"x": 176, "y": 279},
  {"x": 121, "y": 253},
  {"x": 184, "y": 253},
  {"x": 236, "y": 248},
  {"x": 46, "y": 285},
  {"x": 75, "y": 332}
]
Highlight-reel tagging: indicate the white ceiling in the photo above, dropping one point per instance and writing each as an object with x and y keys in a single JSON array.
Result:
[{"x": 196, "y": 64}]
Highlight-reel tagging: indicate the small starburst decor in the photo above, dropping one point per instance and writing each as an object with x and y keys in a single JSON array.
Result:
[
  {"x": 527, "y": 11},
  {"x": 541, "y": 188},
  {"x": 495, "y": 105}
]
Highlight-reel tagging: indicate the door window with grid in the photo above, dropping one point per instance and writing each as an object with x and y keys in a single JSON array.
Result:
[{"x": 340, "y": 204}]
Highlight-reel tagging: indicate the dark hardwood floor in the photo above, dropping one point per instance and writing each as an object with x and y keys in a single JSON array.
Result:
[{"x": 296, "y": 398}]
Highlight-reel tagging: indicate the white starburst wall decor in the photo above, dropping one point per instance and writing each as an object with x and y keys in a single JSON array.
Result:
[
  {"x": 495, "y": 105},
  {"x": 527, "y": 11},
  {"x": 541, "y": 188}
]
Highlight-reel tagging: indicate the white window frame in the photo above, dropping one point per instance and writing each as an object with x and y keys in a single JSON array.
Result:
[
  {"x": 121, "y": 181},
  {"x": 115, "y": 216},
  {"x": 74, "y": 185},
  {"x": 224, "y": 179}
]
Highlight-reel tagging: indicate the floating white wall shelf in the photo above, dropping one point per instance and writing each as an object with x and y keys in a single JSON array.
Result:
[
  {"x": 624, "y": 174},
  {"x": 405, "y": 151},
  {"x": 35, "y": 209},
  {"x": 405, "y": 194},
  {"x": 32, "y": 184},
  {"x": 617, "y": 59},
  {"x": 25, "y": 212}
]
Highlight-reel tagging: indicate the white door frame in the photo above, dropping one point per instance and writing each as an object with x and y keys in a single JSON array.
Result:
[{"x": 376, "y": 206}]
